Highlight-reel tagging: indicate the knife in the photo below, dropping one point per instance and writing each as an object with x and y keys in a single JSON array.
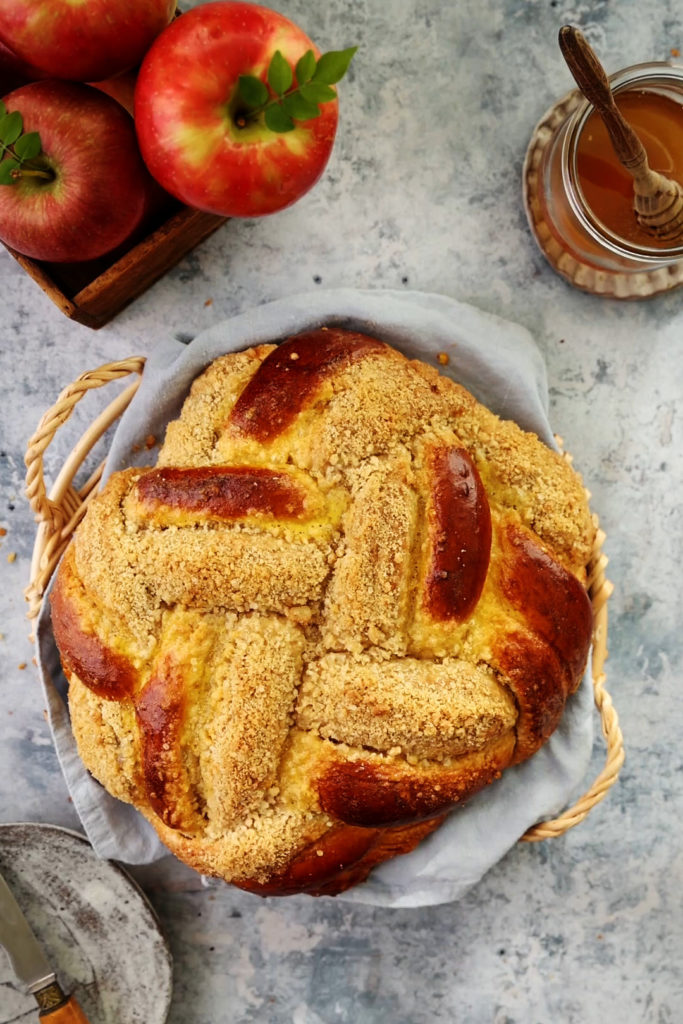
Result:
[{"x": 30, "y": 966}]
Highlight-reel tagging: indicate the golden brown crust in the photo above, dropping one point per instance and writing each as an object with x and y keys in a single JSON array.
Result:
[
  {"x": 366, "y": 792},
  {"x": 290, "y": 376},
  {"x": 459, "y": 521},
  {"x": 347, "y": 598},
  {"x": 217, "y": 493},
  {"x": 549, "y": 597},
  {"x": 340, "y": 859},
  {"x": 102, "y": 669}
]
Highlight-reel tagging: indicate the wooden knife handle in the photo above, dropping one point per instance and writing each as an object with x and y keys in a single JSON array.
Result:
[{"x": 66, "y": 1013}]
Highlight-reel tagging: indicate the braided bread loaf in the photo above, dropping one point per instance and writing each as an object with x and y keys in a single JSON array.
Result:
[{"x": 347, "y": 597}]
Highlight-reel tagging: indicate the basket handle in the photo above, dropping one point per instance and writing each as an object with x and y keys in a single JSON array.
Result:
[{"x": 59, "y": 512}]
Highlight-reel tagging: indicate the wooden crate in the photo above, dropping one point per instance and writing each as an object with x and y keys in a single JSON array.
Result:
[{"x": 92, "y": 293}]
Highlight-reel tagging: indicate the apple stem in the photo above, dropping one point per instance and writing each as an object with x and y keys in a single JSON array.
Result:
[{"x": 23, "y": 172}]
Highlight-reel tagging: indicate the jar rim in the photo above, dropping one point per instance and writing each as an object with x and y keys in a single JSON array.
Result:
[{"x": 655, "y": 72}]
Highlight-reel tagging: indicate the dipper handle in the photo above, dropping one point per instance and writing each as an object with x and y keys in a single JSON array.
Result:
[{"x": 591, "y": 79}]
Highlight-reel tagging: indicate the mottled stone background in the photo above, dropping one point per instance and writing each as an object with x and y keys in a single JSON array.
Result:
[{"x": 424, "y": 192}]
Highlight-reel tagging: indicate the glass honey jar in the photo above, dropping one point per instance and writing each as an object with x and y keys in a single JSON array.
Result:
[{"x": 579, "y": 199}]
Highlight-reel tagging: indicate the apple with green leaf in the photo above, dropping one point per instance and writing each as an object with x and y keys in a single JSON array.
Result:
[
  {"x": 83, "y": 40},
  {"x": 73, "y": 185},
  {"x": 235, "y": 109}
]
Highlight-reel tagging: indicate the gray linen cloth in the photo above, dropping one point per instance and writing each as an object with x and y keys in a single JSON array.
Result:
[{"x": 500, "y": 364}]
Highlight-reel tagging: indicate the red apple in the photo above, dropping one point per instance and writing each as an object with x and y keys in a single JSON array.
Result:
[
  {"x": 191, "y": 123},
  {"x": 14, "y": 71},
  {"x": 121, "y": 87},
  {"x": 88, "y": 190},
  {"x": 83, "y": 40}
]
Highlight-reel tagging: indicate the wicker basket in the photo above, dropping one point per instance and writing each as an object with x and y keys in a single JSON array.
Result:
[{"x": 59, "y": 512}]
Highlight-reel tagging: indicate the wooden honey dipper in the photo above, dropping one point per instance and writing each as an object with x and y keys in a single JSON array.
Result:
[{"x": 657, "y": 200}]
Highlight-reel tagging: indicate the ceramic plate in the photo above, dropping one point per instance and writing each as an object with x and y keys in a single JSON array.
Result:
[{"x": 97, "y": 929}]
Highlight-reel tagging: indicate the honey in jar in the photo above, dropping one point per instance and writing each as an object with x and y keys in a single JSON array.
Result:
[
  {"x": 579, "y": 199},
  {"x": 606, "y": 186}
]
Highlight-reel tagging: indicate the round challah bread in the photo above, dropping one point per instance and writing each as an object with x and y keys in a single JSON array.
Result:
[{"x": 346, "y": 598}]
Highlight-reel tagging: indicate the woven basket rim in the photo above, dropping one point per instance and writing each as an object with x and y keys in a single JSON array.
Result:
[{"x": 59, "y": 512}]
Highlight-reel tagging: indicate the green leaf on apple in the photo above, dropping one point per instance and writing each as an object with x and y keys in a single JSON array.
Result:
[
  {"x": 252, "y": 91},
  {"x": 280, "y": 75},
  {"x": 300, "y": 108},
  {"x": 11, "y": 126},
  {"x": 280, "y": 102},
  {"x": 18, "y": 150},
  {"x": 333, "y": 66},
  {"x": 305, "y": 67},
  {"x": 28, "y": 146},
  {"x": 278, "y": 120},
  {"x": 316, "y": 92},
  {"x": 7, "y": 169}
]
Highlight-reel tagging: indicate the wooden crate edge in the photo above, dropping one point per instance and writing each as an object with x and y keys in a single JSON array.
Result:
[{"x": 135, "y": 271}]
